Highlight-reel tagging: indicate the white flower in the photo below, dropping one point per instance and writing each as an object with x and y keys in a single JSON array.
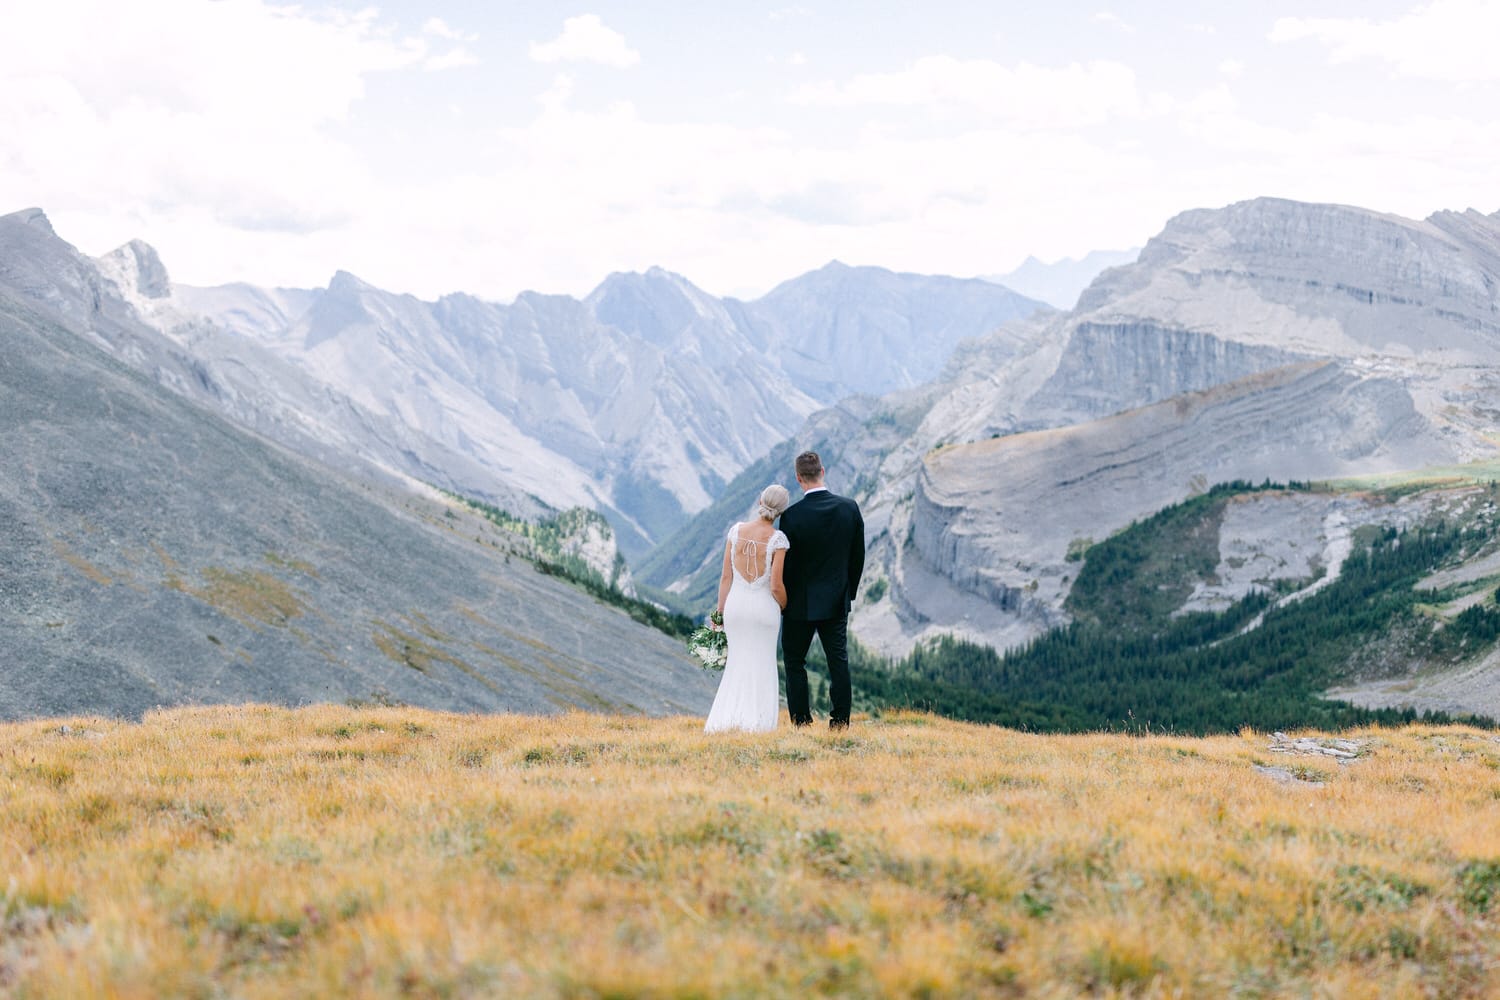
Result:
[{"x": 710, "y": 647}]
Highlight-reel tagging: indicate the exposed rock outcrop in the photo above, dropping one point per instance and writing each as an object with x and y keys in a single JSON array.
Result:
[{"x": 1109, "y": 367}]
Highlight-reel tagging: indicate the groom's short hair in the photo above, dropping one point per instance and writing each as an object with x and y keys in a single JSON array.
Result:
[{"x": 809, "y": 466}]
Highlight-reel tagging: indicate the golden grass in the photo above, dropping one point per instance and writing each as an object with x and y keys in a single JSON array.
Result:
[{"x": 261, "y": 852}]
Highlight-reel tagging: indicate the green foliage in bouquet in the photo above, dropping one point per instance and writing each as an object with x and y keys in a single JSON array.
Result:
[{"x": 709, "y": 645}]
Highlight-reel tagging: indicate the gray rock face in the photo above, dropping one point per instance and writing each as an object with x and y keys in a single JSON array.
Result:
[
  {"x": 1325, "y": 280},
  {"x": 1222, "y": 294},
  {"x": 1110, "y": 367},
  {"x": 137, "y": 268},
  {"x": 153, "y": 554},
  {"x": 1275, "y": 538}
]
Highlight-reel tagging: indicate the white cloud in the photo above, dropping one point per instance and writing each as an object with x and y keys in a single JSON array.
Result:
[
  {"x": 1113, "y": 20},
  {"x": 1026, "y": 95},
  {"x": 586, "y": 39},
  {"x": 1410, "y": 166},
  {"x": 439, "y": 28},
  {"x": 709, "y": 199},
  {"x": 555, "y": 97},
  {"x": 186, "y": 117},
  {"x": 1448, "y": 40},
  {"x": 234, "y": 136},
  {"x": 235, "y": 58},
  {"x": 457, "y": 56},
  {"x": 1232, "y": 68},
  {"x": 453, "y": 59}
]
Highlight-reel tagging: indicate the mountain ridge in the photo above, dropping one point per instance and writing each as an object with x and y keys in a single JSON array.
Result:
[{"x": 591, "y": 401}]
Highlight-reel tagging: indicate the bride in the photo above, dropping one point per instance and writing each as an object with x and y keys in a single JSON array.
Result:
[{"x": 751, "y": 596}]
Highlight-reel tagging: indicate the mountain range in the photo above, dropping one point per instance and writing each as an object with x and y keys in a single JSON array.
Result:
[
  {"x": 990, "y": 439},
  {"x": 640, "y": 400}
]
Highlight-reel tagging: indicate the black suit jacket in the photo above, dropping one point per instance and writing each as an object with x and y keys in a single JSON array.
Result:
[{"x": 826, "y": 558}]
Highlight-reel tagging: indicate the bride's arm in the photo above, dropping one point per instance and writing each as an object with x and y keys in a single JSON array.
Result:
[
  {"x": 778, "y": 589},
  {"x": 725, "y": 577}
]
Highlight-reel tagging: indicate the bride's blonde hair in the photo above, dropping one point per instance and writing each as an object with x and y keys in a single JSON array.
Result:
[{"x": 773, "y": 500}]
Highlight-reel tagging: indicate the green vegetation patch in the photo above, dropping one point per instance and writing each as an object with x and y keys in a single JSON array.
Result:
[
  {"x": 547, "y": 537},
  {"x": 1361, "y": 888},
  {"x": 1479, "y": 884},
  {"x": 1139, "y": 576}
]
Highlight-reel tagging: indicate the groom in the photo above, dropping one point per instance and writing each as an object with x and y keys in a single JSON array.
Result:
[{"x": 821, "y": 573}]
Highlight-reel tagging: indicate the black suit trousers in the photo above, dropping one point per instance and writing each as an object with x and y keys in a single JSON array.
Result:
[{"x": 796, "y": 640}]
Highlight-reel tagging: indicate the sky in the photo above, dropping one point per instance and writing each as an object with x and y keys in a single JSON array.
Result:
[{"x": 492, "y": 147}]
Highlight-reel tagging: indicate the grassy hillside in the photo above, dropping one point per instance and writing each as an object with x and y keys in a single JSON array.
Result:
[{"x": 260, "y": 852}]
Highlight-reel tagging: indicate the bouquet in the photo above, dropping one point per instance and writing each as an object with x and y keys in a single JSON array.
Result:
[{"x": 710, "y": 645}]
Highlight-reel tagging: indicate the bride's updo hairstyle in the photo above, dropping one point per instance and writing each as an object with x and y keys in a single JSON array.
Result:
[{"x": 773, "y": 500}]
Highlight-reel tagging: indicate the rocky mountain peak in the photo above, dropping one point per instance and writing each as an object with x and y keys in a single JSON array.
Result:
[
  {"x": 656, "y": 306},
  {"x": 1275, "y": 224},
  {"x": 33, "y": 217},
  {"x": 345, "y": 284},
  {"x": 833, "y": 275},
  {"x": 137, "y": 268},
  {"x": 343, "y": 307}
]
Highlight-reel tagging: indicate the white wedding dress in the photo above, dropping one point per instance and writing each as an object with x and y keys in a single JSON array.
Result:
[{"x": 748, "y": 697}]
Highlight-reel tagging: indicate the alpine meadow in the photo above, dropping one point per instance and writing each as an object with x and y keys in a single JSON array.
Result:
[{"x": 326, "y": 851}]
